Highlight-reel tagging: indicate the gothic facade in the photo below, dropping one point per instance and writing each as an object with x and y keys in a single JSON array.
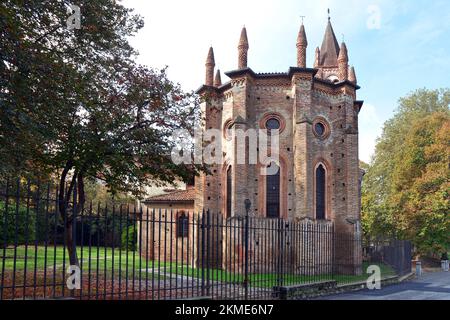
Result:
[{"x": 316, "y": 112}]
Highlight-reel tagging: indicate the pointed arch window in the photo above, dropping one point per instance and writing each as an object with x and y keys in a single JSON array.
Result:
[
  {"x": 229, "y": 191},
  {"x": 320, "y": 192},
  {"x": 273, "y": 191},
  {"x": 182, "y": 225}
]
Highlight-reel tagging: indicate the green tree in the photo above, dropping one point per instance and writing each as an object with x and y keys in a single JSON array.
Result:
[
  {"x": 76, "y": 102},
  {"x": 421, "y": 180},
  {"x": 129, "y": 238},
  {"x": 405, "y": 191},
  {"x": 17, "y": 225}
]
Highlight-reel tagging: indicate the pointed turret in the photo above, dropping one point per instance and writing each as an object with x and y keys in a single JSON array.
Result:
[
  {"x": 352, "y": 76},
  {"x": 243, "y": 49},
  {"x": 343, "y": 53},
  {"x": 329, "y": 51},
  {"x": 210, "y": 64},
  {"x": 317, "y": 58},
  {"x": 302, "y": 44},
  {"x": 217, "y": 79},
  {"x": 343, "y": 62}
]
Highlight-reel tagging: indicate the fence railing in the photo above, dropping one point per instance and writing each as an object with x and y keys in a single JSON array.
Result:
[
  {"x": 397, "y": 254},
  {"x": 126, "y": 252}
]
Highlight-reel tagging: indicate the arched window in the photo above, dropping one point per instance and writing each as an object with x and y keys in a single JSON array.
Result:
[
  {"x": 273, "y": 191},
  {"x": 273, "y": 124},
  {"x": 320, "y": 192},
  {"x": 229, "y": 191},
  {"x": 182, "y": 225}
]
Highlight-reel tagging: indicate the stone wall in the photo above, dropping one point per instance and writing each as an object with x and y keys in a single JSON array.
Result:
[{"x": 159, "y": 240}]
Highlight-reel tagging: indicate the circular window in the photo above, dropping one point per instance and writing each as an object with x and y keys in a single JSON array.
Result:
[
  {"x": 273, "y": 124},
  {"x": 321, "y": 129},
  {"x": 272, "y": 121}
]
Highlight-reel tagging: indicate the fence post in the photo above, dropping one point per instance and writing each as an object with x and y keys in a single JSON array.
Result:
[
  {"x": 246, "y": 226},
  {"x": 418, "y": 269},
  {"x": 74, "y": 227},
  {"x": 333, "y": 252},
  {"x": 280, "y": 252},
  {"x": 202, "y": 228},
  {"x": 208, "y": 248}
]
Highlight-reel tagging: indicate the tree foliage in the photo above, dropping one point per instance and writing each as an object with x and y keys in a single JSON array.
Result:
[
  {"x": 17, "y": 225},
  {"x": 406, "y": 189},
  {"x": 75, "y": 101}
]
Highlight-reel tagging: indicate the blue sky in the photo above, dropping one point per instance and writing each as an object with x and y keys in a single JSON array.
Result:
[{"x": 407, "y": 48}]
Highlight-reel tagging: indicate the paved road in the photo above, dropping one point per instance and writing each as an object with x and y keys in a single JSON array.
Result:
[{"x": 431, "y": 286}]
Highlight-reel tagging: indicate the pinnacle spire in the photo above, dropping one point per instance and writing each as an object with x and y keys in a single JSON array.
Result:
[
  {"x": 343, "y": 62},
  {"x": 243, "y": 41},
  {"x": 210, "y": 64},
  {"x": 330, "y": 47},
  {"x": 352, "y": 75},
  {"x": 343, "y": 53},
  {"x": 317, "y": 58},
  {"x": 243, "y": 49},
  {"x": 217, "y": 79},
  {"x": 210, "y": 57},
  {"x": 301, "y": 38},
  {"x": 302, "y": 44}
]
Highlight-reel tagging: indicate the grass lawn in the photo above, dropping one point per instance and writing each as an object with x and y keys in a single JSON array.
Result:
[
  {"x": 269, "y": 280},
  {"x": 102, "y": 259},
  {"x": 98, "y": 258}
]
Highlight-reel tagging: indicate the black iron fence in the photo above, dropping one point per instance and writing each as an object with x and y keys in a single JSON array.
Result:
[
  {"x": 397, "y": 254},
  {"x": 125, "y": 252}
]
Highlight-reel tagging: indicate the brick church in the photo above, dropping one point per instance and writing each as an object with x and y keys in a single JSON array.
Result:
[
  {"x": 317, "y": 180},
  {"x": 316, "y": 112}
]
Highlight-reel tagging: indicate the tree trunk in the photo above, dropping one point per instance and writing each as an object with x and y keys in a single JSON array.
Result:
[
  {"x": 64, "y": 199},
  {"x": 73, "y": 257}
]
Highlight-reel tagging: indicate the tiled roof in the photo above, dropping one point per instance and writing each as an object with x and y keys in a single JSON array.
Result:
[
  {"x": 330, "y": 48},
  {"x": 174, "y": 196}
]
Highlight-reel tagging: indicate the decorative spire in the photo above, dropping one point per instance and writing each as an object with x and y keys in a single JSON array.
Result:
[
  {"x": 210, "y": 64},
  {"x": 343, "y": 62},
  {"x": 217, "y": 79},
  {"x": 243, "y": 49},
  {"x": 330, "y": 48},
  {"x": 343, "y": 53},
  {"x": 317, "y": 58},
  {"x": 352, "y": 76},
  {"x": 302, "y": 44}
]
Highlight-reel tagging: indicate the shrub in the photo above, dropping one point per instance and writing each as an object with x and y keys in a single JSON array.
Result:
[
  {"x": 19, "y": 225},
  {"x": 129, "y": 238}
]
